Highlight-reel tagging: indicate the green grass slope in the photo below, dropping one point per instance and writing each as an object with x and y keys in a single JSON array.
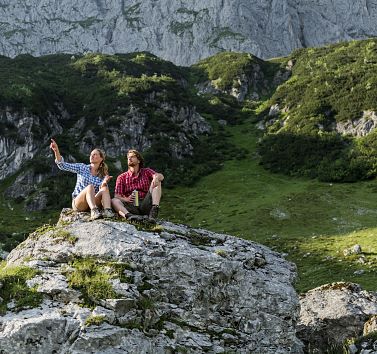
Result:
[{"x": 312, "y": 222}]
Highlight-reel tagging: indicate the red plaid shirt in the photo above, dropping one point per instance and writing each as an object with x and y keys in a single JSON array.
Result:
[{"x": 127, "y": 182}]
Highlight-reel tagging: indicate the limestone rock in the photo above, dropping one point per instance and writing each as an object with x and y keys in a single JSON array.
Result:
[
  {"x": 16, "y": 149},
  {"x": 358, "y": 127},
  {"x": 332, "y": 313},
  {"x": 38, "y": 201},
  {"x": 3, "y": 255},
  {"x": 24, "y": 184},
  {"x": 182, "y": 32},
  {"x": 368, "y": 343},
  {"x": 194, "y": 291},
  {"x": 370, "y": 326}
]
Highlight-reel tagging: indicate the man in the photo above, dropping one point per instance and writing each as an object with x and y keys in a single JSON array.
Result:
[{"x": 146, "y": 182}]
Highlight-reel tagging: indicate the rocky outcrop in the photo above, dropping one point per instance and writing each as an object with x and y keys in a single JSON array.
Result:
[
  {"x": 244, "y": 86},
  {"x": 181, "y": 32},
  {"x": 241, "y": 87},
  {"x": 21, "y": 140},
  {"x": 358, "y": 127},
  {"x": 179, "y": 289},
  {"x": 332, "y": 313},
  {"x": 355, "y": 128},
  {"x": 25, "y": 184},
  {"x": 129, "y": 130}
]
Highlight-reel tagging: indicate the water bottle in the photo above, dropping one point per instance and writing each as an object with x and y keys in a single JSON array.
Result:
[{"x": 135, "y": 193}]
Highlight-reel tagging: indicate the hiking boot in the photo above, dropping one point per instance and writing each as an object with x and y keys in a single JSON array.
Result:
[
  {"x": 133, "y": 217},
  {"x": 153, "y": 213},
  {"x": 108, "y": 213},
  {"x": 95, "y": 214}
]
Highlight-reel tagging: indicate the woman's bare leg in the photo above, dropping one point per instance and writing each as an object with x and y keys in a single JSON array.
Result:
[
  {"x": 103, "y": 199},
  {"x": 86, "y": 199}
]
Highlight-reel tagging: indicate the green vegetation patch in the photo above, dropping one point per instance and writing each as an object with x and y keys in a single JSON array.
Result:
[
  {"x": 183, "y": 10},
  {"x": 226, "y": 67},
  {"x": 92, "y": 277},
  {"x": 88, "y": 22},
  {"x": 94, "y": 320},
  {"x": 9, "y": 34},
  {"x": 58, "y": 233},
  {"x": 179, "y": 28},
  {"x": 13, "y": 287},
  {"x": 221, "y": 33},
  {"x": 328, "y": 87},
  {"x": 132, "y": 16}
]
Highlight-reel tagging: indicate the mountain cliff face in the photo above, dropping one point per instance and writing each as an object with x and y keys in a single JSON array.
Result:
[
  {"x": 107, "y": 287},
  {"x": 182, "y": 32}
]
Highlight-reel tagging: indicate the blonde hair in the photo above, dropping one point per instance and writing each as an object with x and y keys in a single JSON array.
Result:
[{"x": 103, "y": 169}]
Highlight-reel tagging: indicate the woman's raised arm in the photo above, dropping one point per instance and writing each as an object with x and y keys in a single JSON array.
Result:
[{"x": 54, "y": 147}]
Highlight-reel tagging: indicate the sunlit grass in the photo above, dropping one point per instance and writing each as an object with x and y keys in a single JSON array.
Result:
[{"x": 310, "y": 221}]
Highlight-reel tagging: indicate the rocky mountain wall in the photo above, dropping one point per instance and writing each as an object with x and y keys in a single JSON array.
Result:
[{"x": 184, "y": 31}]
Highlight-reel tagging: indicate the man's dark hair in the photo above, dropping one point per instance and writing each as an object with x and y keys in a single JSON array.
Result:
[{"x": 138, "y": 155}]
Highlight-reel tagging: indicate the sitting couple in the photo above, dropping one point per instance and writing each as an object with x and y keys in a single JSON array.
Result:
[{"x": 92, "y": 193}]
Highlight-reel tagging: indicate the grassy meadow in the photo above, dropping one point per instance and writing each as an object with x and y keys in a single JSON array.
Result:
[{"x": 311, "y": 222}]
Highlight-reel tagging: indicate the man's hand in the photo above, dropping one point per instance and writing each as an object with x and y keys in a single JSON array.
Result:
[
  {"x": 129, "y": 199},
  {"x": 157, "y": 178}
]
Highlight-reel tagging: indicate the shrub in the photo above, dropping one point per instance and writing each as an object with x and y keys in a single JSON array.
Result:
[{"x": 328, "y": 85}]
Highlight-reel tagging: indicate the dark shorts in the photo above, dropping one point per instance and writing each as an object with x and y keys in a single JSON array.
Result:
[{"x": 144, "y": 207}]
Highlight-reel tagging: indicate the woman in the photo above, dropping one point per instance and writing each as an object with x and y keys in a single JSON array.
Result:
[{"x": 91, "y": 191}]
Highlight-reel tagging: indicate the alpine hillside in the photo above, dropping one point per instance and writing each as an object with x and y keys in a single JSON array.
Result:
[{"x": 216, "y": 130}]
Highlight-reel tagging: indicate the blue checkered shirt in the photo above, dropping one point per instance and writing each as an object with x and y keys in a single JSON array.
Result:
[{"x": 84, "y": 177}]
